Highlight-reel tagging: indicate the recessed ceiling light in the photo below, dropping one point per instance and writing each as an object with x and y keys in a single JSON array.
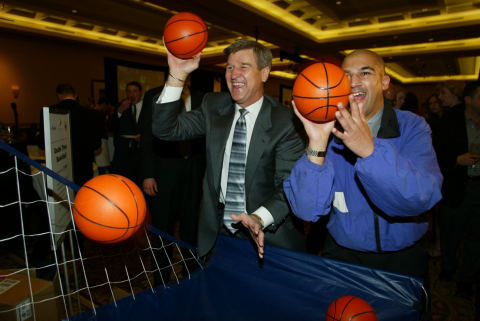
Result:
[
  {"x": 425, "y": 9},
  {"x": 74, "y": 11},
  {"x": 395, "y": 37},
  {"x": 390, "y": 57},
  {"x": 358, "y": 19},
  {"x": 339, "y": 2},
  {"x": 318, "y": 17},
  {"x": 431, "y": 39}
]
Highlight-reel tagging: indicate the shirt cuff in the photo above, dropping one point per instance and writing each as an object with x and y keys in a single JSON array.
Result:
[
  {"x": 265, "y": 215},
  {"x": 170, "y": 94},
  {"x": 119, "y": 115}
]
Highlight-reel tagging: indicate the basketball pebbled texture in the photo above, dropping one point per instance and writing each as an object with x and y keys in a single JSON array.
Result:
[
  {"x": 185, "y": 35},
  {"x": 350, "y": 308},
  {"x": 318, "y": 89},
  {"x": 109, "y": 208}
]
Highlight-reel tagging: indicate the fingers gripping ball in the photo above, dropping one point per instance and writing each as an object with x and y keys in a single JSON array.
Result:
[
  {"x": 185, "y": 35},
  {"x": 109, "y": 208},
  {"x": 318, "y": 89},
  {"x": 350, "y": 308}
]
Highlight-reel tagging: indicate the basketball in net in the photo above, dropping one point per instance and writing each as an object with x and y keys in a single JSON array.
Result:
[
  {"x": 318, "y": 89},
  {"x": 109, "y": 208}
]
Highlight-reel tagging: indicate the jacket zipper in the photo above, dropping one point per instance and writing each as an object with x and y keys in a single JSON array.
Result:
[{"x": 377, "y": 233}]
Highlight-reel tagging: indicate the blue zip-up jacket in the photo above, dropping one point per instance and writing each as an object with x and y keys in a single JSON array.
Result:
[{"x": 373, "y": 201}]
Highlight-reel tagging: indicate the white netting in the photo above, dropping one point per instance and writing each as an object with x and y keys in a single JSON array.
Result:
[{"x": 83, "y": 277}]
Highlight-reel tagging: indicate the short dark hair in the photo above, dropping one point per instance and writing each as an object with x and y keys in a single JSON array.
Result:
[
  {"x": 263, "y": 55},
  {"x": 65, "y": 89},
  {"x": 471, "y": 89},
  {"x": 134, "y": 83},
  {"x": 104, "y": 100}
]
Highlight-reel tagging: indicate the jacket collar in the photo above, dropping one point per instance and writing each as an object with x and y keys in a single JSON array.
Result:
[{"x": 389, "y": 127}]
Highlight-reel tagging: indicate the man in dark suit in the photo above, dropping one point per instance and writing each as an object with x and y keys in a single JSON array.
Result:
[
  {"x": 172, "y": 175},
  {"x": 126, "y": 122},
  {"x": 85, "y": 134},
  {"x": 459, "y": 209},
  {"x": 252, "y": 145}
]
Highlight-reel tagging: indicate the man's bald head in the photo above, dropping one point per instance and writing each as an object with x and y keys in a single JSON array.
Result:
[{"x": 378, "y": 60}]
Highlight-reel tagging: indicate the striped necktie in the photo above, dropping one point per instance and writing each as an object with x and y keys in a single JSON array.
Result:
[{"x": 235, "y": 197}]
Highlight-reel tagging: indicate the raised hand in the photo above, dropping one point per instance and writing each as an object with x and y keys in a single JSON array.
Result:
[
  {"x": 180, "y": 68},
  {"x": 357, "y": 135},
  {"x": 318, "y": 134}
]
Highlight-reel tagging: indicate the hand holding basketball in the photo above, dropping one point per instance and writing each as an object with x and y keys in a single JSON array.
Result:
[
  {"x": 318, "y": 133},
  {"x": 357, "y": 135}
]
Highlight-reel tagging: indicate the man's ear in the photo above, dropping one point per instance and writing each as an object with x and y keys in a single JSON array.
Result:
[
  {"x": 386, "y": 81},
  {"x": 265, "y": 73}
]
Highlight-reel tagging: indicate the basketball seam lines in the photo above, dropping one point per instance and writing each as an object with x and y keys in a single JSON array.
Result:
[
  {"x": 356, "y": 315},
  {"x": 116, "y": 228},
  {"x": 204, "y": 33},
  {"x": 301, "y": 74},
  {"x": 171, "y": 23},
  {"x": 328, "y": 91},
  {"x": 346, "y": 305},
  {"x": 193, "y": 34},
  {"x": 134, "y": 197},
  {"x": 321, "y": 97}
]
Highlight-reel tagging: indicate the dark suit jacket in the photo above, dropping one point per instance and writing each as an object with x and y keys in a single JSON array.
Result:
[
  {"x": 85, "y": 135},
  {"x": 124, "y": 126},
  {"x": 151, "y": 146},
  {"x": 450, "y": 141},
  {"x": 275, "y": 146}
]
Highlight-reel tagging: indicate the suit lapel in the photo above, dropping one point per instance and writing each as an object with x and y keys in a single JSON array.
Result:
[
  {"x": 219, "y": 131},
  {"x": 258, "y": 141}
]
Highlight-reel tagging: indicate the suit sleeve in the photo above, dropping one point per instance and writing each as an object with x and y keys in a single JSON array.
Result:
[
  {"x": 169, "y": 125},
  {"x": 146, "y": 138},
  {"x": 287, "y": 152}
]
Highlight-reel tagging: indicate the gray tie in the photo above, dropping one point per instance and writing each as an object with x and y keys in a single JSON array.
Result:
[{"x": 235, "y": 197}]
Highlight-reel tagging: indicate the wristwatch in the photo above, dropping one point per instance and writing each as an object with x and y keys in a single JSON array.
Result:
[{"x": 315, "y": 153}]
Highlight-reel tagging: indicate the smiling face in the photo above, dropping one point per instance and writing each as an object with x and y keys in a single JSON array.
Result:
[
  {"x": 134, "y": 94},
  {"x": 366, "y": 73},
  {"x": 244, "y": 80}
]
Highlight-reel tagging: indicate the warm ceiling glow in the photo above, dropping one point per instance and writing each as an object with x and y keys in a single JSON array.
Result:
[
  {"x": 271, "y": 11},
  {"x": 284, "y": 74}
]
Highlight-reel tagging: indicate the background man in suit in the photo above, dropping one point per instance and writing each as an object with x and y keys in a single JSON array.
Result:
[
  {"x": 263, "y": 141},
  {"x": 85, "y": 136},
  {"x": 459, "y": 209},
  {"x": 85, "y": 133},
  {"x": 172, "y": 175},
  {"x": 127, "y": 121}
]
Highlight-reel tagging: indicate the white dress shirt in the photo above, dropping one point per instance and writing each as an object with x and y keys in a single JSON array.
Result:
[
  {"x": 138, "y": 107},
  {"x": 170, "y": 94}
]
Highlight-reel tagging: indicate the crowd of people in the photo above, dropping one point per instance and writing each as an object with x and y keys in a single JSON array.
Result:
[{"x": 236, "y": 164}]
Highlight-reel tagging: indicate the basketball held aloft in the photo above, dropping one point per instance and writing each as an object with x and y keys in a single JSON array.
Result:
[
  {"x": 318, "y": 89},
  {"x": 185, "y": 35},
  {"x": 109, "y": 208}
]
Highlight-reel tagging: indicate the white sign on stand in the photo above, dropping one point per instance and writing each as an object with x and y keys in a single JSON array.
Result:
[{"x": 58, "y": 158}]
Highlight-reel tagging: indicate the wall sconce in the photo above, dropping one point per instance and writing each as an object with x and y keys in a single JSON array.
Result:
[{"x": 15, "y": 90}]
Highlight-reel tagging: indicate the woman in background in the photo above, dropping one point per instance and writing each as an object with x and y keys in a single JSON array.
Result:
[{"x": 401, "y": 95}]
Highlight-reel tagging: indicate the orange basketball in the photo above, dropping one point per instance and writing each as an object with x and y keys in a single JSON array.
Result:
[
  {"x": 109, "y": 208},
  {"x": 350, "y": 308},
  {"x": 318, "y": 89},
  {"x": 185, "y": 35}
]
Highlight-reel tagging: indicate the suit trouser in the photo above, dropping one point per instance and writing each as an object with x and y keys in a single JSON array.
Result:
[
  {"x": 454, "y": 224},
  {"x": 179, "y": 183}
]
